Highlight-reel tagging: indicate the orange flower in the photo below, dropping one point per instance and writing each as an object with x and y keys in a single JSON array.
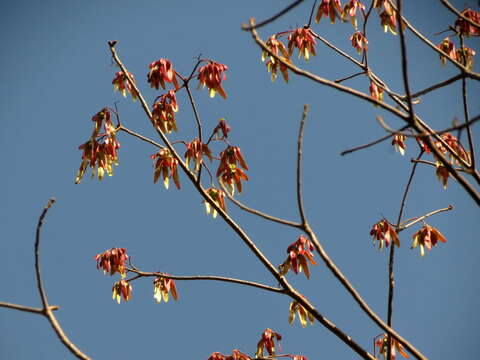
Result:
[
  {"x": 303, "y": 40},
  {"x": 359, "y": 42},
  {"x": 329, "y": 8},
  {"x": 272, "y": 63},
  {"x": 112, "y": 261},
  {"x": 465, "y": 56},
  {"x": 427, "y": 237},
  {"x": 466, "y": 28},
  {"x": 218, "y": 197},
  {"x": 303, "y": 314},
  {"x": 122, "y": 289},
  {"x": 162, "y": 287},
  {"x": 399, "y": 142},
  {"x": 447, "y": 47},
  {"x": 382, "y": 345},
  {"x": 163, "y": 113},
  {"x": 165, "y": 165},
  {"x": 162, "y": 71},
  {"x": 195, "y": 151},
  {"x": 376, "y": 92},
  {"x": 211, "y": 76},
  {"x": 268, "y": 342},
  {"x": 298, "y": 253},
  {"x": 122, "y": 84},
  {"x": 228, "y": 171},
  {"x": 384, "y": 233},
  {"x": 350, "y": 10}
]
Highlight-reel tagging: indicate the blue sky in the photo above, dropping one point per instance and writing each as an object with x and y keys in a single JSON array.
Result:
[{"x": 56, "y": 74}]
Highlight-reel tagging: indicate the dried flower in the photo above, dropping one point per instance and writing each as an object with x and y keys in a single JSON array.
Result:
[
  {"x": 165, "y": 165},
  {"x": 195, "y": 151},
  {"x": 267, "y": 341},
  {"x": 121, "y": 289},
  {"x": 359, "y": 42},
  {"x": 298, "y": 253},
  {"x": 122, "y": 84},
  {"x": 303, "y": 314},
  {"x": 218, "y": 197},
  {"x": 162, "y": 287},
  {"x": 162, "y": 71},
  {"x": 303, "y": 40},
  {"x": 112, "y": 261},
  {"x": 223, "y": 128},
  {"x": 211, "y": 76},
  {"x": 329, "y": 8},
  {"x": 447, "y": 47},
  {"x": 163, "y": 113},
  {"x": 384, "y": 233},
  {"x": 465, "y": 57},
  {"x": 382, "y": 345},
  {"x": 427, "y": 237}
]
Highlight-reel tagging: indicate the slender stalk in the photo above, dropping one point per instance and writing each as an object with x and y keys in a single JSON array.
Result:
[
  {"x": 421, "y": 218},
  {"x": 299, "y": 166},
  {"x": 272, "y": 18},
  {"x": 39, "y": 311}
]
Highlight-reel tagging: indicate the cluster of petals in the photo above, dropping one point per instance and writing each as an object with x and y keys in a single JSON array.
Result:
[
  {"x": 163, "y": 112},
  {"x": 382, "y": 345},
  {"x": 350, "y": 9},
  {"x": 303, "y": 40},
  {"x": 329, "y": 8},
  {"x": 229, "y": 171},
  {"x": 211, "y": 76},
  {"x": 304, "y": 316},
  {"x": 121, "y": 289},
  {"x": 466, "y": 28},
  {"x": 399, "y": 142},
  {"x": 277, "y": 48},
  {"x": 236, "y": 355},
  {"x": 427, "y": 237},
  {"x": 465, "y": 56},
  {"x": 447, "y": 47},
  {"x": 359, "y": 42},
  {"x": 267, "y": 341},
  {"x": 455, "y": 145},
  {"x": 218, "y": 197},
  {"x": 161, "y": 71},
  {"x": 195, "y": 151},
  {"x": 376, "y": 91},
  {"x": 223, "y": 128},
  {"x": 299, "y": 253},
  {"x": 100, "y": 152},
  {"x": 165, "y": 165},
  {"x": 384, "y": 233},
  {"x": 162, "y": 287},
  {"x": 389, "y": 21},
  {"x": 122, "y": 84},
  {"x": 112, "y": 261}
]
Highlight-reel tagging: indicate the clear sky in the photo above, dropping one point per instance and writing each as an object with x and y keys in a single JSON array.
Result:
[{"x": 56, "y": 73}]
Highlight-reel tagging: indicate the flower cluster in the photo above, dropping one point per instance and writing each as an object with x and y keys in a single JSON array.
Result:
[
  {"x": 303, "y": 314},
  {"x": 195, "y": 151},
  {"x": 228, "y": 172},
  {"x": 218, "y": 197},
  {"x": 376, "y": 91},
  {"x": 447, "y": 47},
  {"x": 463, "y": 55},
  {"x": 350, "y": 10},
  {"x": 165, "y": 165},
  {"x": 298, "y": 253},
  {"x": 399, "y": 142},
  {"x": 223, "y": 128},
  {"x": 112, "y": 261},
  {"x": 122, "y": 84},
  {"x": 466, "y": 28},
  {"x": 100, "y": 151},
  {"x": 236, "y": 355},
  {"x": 359, "y": 42},
  {"x": 162, "y": 287},
  {"x": 211, "y": 76},
  {"x": 388, "y": 16},
  {"x": 329, "y": 8},
  {"x": 303, "y": 40},
  {"x": 382, "y": 345},
  {"x": 384, "y": 233},
  {"x": 121, "y": 289},
  {"x": 163, "y": 112},
  {"x": 162, "y": 71},
  {"x": 427, "y": 237},
  {"x": 267, "y": 341},
  {"x": 276, "y": 47}
]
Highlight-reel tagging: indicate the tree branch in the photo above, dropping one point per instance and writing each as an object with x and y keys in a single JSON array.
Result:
[
  {"x": 299, "y": 166},
  {"x": 29, "y": 309},
  {"x": 273, "y": 18}
]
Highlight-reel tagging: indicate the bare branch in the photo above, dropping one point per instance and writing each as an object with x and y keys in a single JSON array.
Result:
[
  {"x": 450, "y": 207},
  {"x": 437, "y": 86},
  {"x": 273, "y": 18},
  {"x": 29, "y": 309},
  {"x": 299, "y": 166},
  {"x": 150, "y": 141}
]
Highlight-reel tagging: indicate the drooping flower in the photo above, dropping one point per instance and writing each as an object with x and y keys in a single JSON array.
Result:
[
  {"x": 329, "y": 8},
  {"x": 359, "y": 42},
  {"x": 276, "y": 47},
  {"x": 267, "y": 341},
  {"x": 299, "y": 253},
  {"x": 303, "y": 40},
  {"x": 162, "y": 71},
  {"x": 442, "y": 174},
  {"x": 350, "y": 10},
  {"x": 376, "y": 92},
  {"x": 228, "y": 171},
  {"x": 163, "y": 112},
  {"x": 465, "y": 56},
  {"x": 222, "y": 127},
  {"x": 195, "y": 151},
  {"x": 427, "y": 237},
  {"x": 384, "y": 233},
  {"x": 304, "y": 316},
  {"x": 112, "y": 261},
  {"x": 121, "y": 289},
  {"x": 399, "y": 142},
  {"x": 122, "y": 84},
  {"x": 165, "y": 165},
  {"x": 388, "y": 20},
  {"x": 466, "y": 28},
  {"x": 447, "y": 47},
  {"x": 211, "y": 76},
  {"x": 218, "y": 197},
  {"x": 162, "y": 287},
  {"x": 382, "y": 345},
  {"x": 455, "y": 145}
]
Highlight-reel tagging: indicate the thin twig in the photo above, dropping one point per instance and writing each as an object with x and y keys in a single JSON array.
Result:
[
  {"x": 338, "y": 81},
  {"x": 46, "y": 307},
  {"x": 29, "y": 309},
  {"x": 450, "y": 207},
  {"x": 133, "y": 133},
  {"x": 437, "y": 86},
  {"x": 337, "y": 50},
  {"x": 311, "y": 14},
  {"x": 299, "y": 166},
  {"x": 273, "y": 18},
  {"x": 435, "y": 164}
]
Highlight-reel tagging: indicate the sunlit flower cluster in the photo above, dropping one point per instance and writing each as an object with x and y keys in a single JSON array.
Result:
[
  {"x": 166, "y": 166},
  {"x": 359, "y": 42},
  {"x": 382, "y": 344},
  {"x": 122, "y": 84},
  {"x": 163, "y": 112},
  {"x": 304, "y": 316},
  {"x": 300, "y": 253},
  {"x": 162, "y": 71},
  {"x": 376, "y": 91},
  {"x": 162, "y": 287},
  {"x": 229, "y": 171},
  {"x": 350, "y": 10},
  {"x": 121, "y": 289},
  {"x": 267, "y": 341},
  {"x": 211, "y": 76},
  {"x": 218, "y": 197},
  {"x": 329, "y": 8},
  {"x": 112, "y": 261},
  {"x": 399, "y": 142},
  {"x": 466, "y": 28},
  {"x": 303, "y": 40},
  {"x": 236, "y": 355},
  {"x": 277, "y": 48},
  {"x": 384, "y": 233},
  {"x": 427, "y": 237},
  {"x": 195, "y": 151}
]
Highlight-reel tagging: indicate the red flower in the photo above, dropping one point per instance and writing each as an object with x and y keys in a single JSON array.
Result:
[
  {"x": 112, "y": 261},
  {"x": 447, "y": 47},
  {"x": 217, "y": 356},
  {"x": 298, "y": 253},
  {"x": 122, "y": 84},
  {"x": 223, "y": 128},
  {"x": 211, "y": 76},
  {"x": 376, "y": 92},
  {"x": 329, "y": 8},
  {"x": 303, "y": 40},
  {"x": 465, "y": 56},
  {"x": 165, "y": 165},
  {"x": 228, "y": 171},
  {"x": 218, "y": 197},
  {"x": 427, "y": 237},
  {"x": 163, "y": 113},
  {"x": 195, "y": 151},
  {"x": 162, "y": 287},
  {"x": 236, "y": 355},
  {"x": 162, "y": 71},
  {"x": 382, "y": 345},
  {"x": 272, "y": 64},
  {"x": 399, "y": 142},
  {"x": 122, "y": 289},
  {"x": 268, "y": 342},
  {"x": 384, "y": 233},
  {"x": 303, "y": 314},
  {"x": 350, "y": 9},
  {"x": 359, "y": 42},
  {"x": 466, "y": 28}
]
